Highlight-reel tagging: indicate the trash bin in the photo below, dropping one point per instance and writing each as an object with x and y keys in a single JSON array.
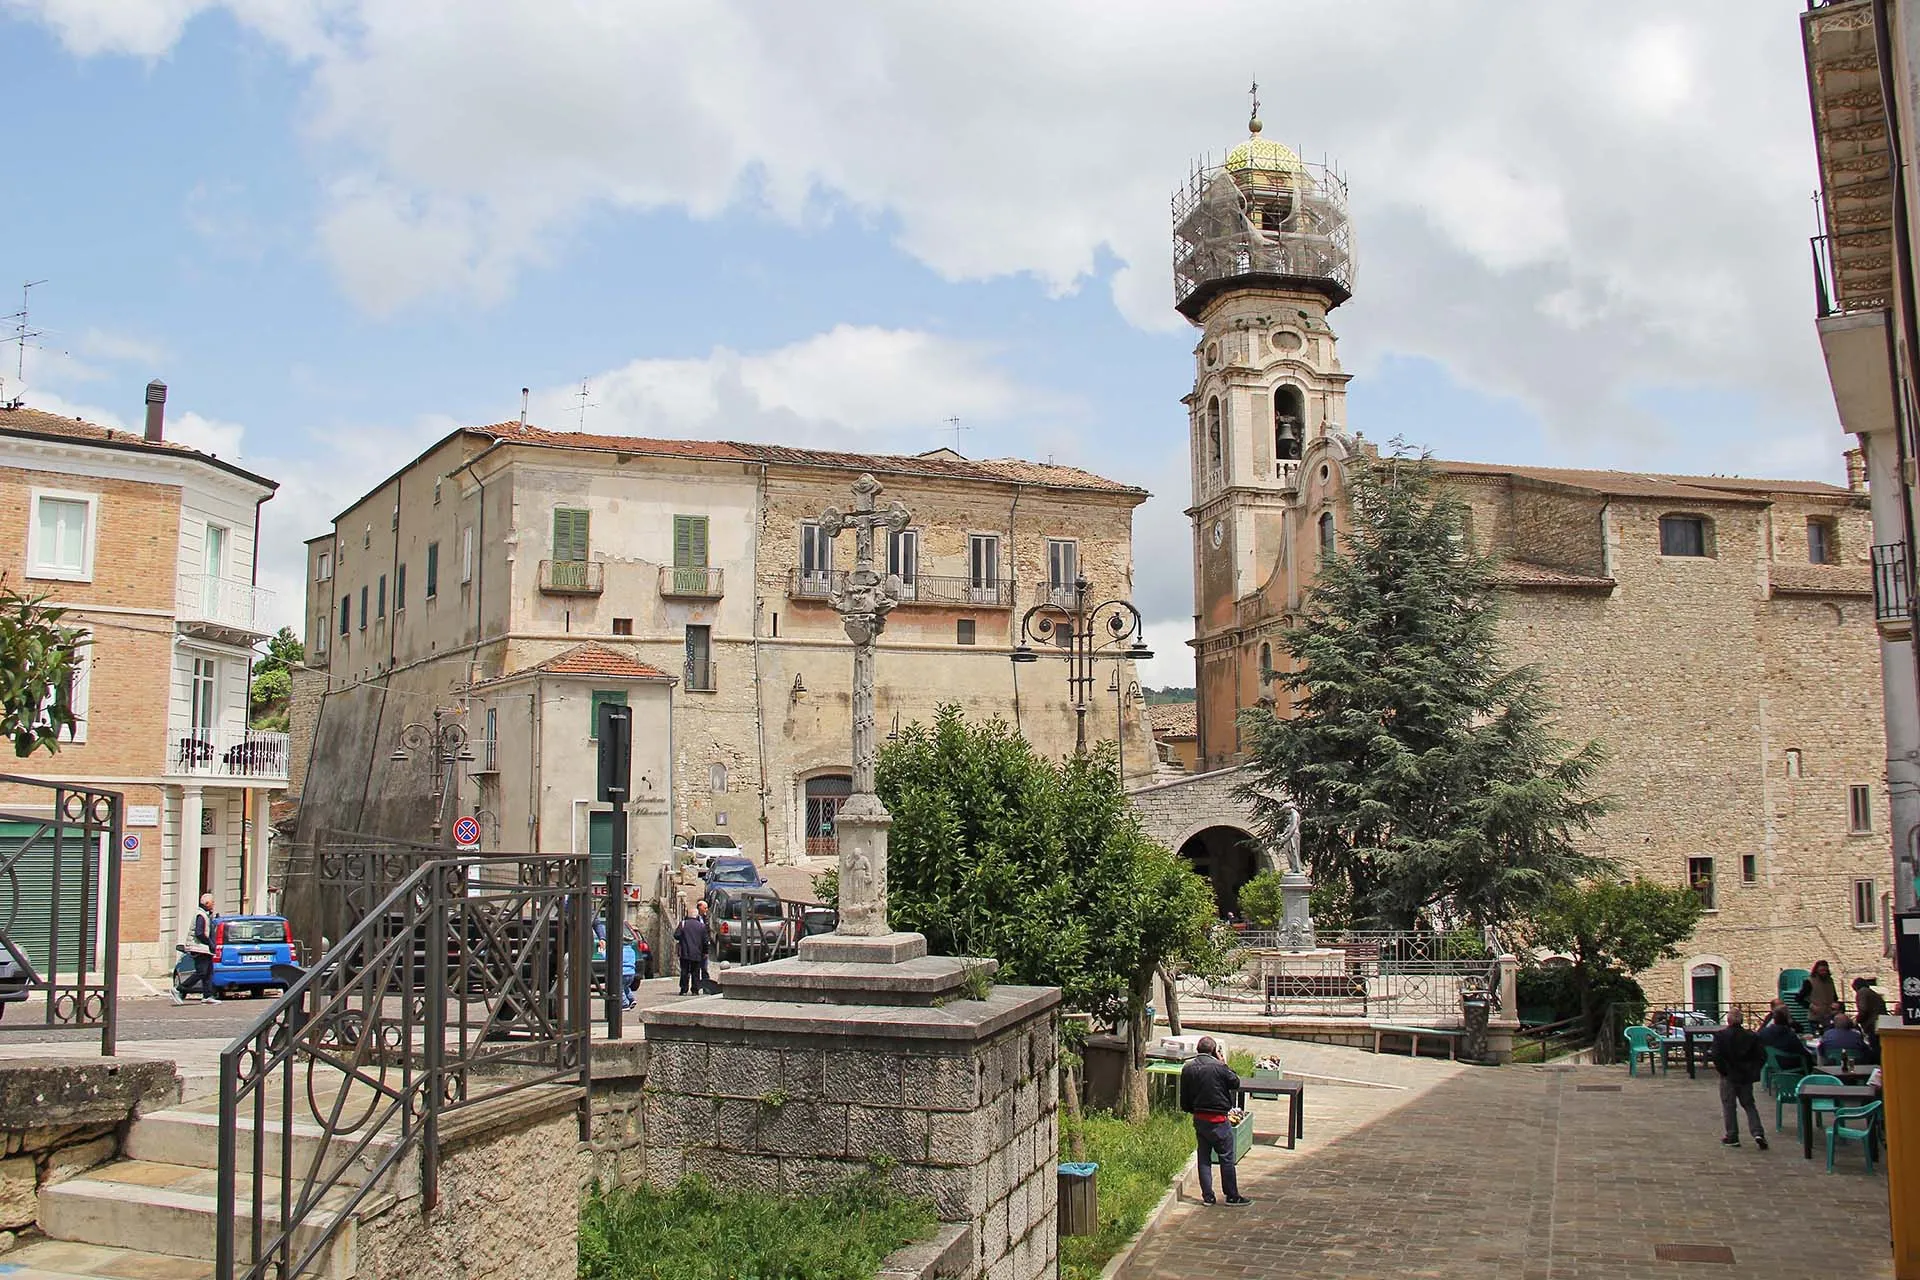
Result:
[
  {"x": 1079, "y": 1199},
  {"x": 1476, "y": 1008}
]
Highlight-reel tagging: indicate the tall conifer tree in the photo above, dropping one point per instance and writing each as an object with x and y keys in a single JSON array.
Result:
[{"x": 1430, "y": 784}]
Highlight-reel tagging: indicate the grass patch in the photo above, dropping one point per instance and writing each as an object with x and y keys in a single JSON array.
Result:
[
  {"x": 695, "y": 1232},
  {"x": 1137, "y": 1165},
  {"x": 1241, "y": 1060}
]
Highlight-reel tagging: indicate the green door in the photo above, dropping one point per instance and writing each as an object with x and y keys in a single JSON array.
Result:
[
  {"x": 1706, "y": 990},
  {"x": 34, "y": 890},
  {"x": 599, "y": 846}
]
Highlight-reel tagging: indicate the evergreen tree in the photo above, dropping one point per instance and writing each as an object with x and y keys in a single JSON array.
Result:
[{"x": 1429, "y": 782}]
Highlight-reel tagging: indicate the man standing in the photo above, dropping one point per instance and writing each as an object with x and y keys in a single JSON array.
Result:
[
  {"x": 1738, "y": 1056},
  {"x": 690, "y": 946},
  {"x": 199, "y": 946},
  {"x": 1208, "y": 1090},
  {"x": 1869, "y": 1006}
]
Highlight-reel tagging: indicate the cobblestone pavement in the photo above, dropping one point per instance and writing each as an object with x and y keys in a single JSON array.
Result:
[{"x": 1528, "y": 1173}]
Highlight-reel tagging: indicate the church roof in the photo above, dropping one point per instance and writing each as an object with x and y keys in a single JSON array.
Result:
[
  {"x": 1640, "y": 484},
  {"x": 1263, "y": 155},
  {"x": 1174, "y": 719}
]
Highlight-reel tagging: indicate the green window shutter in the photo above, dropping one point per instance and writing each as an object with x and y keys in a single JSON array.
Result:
[
  {"x": 618, "y": 697},
  {"x": 689, "y": 542},
  {"x": 569, "y": 534},
  {"x": 30, "y": 850},
  {"x": 433, "y": 570},
  {"x": 599, "y": 845}
]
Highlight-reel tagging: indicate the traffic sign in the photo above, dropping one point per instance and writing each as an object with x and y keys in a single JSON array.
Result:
[
  {"x": 466, "y": 833},
  {"x": 130, "y": 843}
]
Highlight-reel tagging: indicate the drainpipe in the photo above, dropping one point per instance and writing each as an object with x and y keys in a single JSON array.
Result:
[
  {"x": 1013, "y": 612},
  {"x": 759, "y": 701}
]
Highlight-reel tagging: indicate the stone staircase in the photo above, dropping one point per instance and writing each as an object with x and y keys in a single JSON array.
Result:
[{"x": 151, "y": 1214}]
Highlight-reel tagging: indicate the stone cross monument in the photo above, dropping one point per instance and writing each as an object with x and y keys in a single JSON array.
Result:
[{"x": 863, "y": 604}]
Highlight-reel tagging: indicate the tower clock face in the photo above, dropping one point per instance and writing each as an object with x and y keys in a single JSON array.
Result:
[{"x": 1219, "y": 532}]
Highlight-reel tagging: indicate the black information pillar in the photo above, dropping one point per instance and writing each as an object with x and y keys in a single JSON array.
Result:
[{"x": 615, "y": 779}]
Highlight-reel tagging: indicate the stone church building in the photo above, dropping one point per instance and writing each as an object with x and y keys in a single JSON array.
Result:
[{"x": 1716, "y": 634}]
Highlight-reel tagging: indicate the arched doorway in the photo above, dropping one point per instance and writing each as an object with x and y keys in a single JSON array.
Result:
[{"x": 1228, "y": 857}]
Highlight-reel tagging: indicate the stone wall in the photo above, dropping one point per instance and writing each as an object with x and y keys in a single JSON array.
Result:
[
  {"x": 58, "y": 1119},
  {"x": 1172, "y": 811},
  {"x": 784, "y": 1102}
]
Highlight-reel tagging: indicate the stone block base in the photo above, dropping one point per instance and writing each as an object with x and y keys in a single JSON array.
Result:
[{"x": 956, "y": 1102}]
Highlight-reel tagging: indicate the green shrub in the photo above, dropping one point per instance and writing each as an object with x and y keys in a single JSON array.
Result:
[
  {"x": 1138, "y": 1162},
  {"x": 1261, "y": 903},
  {"x": 695, "y": 1232}
]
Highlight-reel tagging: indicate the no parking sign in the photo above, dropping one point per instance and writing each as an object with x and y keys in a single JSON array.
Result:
[
  {"x": 466, "y": 833},
  {"x": 130, "y": 847}
]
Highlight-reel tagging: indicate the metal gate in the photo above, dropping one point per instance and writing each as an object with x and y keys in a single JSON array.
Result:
[{"x": 60, "y": 905}]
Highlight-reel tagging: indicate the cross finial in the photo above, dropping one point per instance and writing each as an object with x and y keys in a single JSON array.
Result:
[{"x": 1253, "y": 120}]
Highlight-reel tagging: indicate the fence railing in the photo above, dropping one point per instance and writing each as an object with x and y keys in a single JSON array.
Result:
[
  {"x": 220, "y": 602},
  {"x": 702, "y": 675},
  {"x": 1892, "y": 598},
  {"x": 467, "y": 982},
  {"x": 1381, "y": 975},
  {"x": 227, "y": 753},
  {"x": 60, "y": 850},
  {"x": 701, "y": 582},
  {"x": 573, "y": 577},
  {"x": 920, "y": 588}
]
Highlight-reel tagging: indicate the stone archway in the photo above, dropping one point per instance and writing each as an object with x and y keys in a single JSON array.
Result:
[
  {"x": 1227, "y": 856},
  {"x": 1203, "y": 818}
]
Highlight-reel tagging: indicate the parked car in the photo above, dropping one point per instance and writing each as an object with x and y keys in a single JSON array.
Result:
[
  {"x": 733, "y": 871},
  {"x": 705, "y": 846},
  {"x": 15, "y": 981},
  {"x": 749, "y": 923},
  {"x": 251, "y": 955}
]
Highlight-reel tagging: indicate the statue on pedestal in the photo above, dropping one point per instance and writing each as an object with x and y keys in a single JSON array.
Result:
[{"x": 1296, "y": 886}]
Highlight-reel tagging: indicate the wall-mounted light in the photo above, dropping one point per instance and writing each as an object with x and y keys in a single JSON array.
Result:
[{"x": 799, "y": 686}]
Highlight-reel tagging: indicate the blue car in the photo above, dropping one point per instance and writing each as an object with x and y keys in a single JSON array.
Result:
[{"x": 250, "y": 955}]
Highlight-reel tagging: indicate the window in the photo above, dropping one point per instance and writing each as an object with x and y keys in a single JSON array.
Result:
[
  {"x": 346, "y": 612},
  {"x": 623, "y": 626},
  {"x": 983, "y": 567},
  {"x": 1327, "y": 535},
  {"x": 380, "y": 599},
  {"x": 436, "y": 493},
  {"x": 1063, "y": 563},
  {"x": 903, "y": 558},
  {"x": 216, "y": 551},
  {"x": 1859, "y": 809},
  {"x": 400, "y": 587},
  {"x": 363, "y": 608},
  {"x": 325, "y": 572},
  {"x": 204, "y": 695},
  {"x": 1749, "y": 868},
  {"x": 963, "y": 631},
  {"x": 466, "y": 555},
  {"x": 816, "y": 558},
  {"x": 717, "y": 779},
  {"x": 1266, "y": 661},
  {"x": 1214, "y": 462},
  {"x": 60, "y": 539},
  {"x": 689, "y": 542},
  {"x": 433, "y": 570},
  {"x": 1700, "y": 878},
  {"x": 700, "y": 659},
  {"x": 1866, "y": 904},
  {"x": 1289, "y": 416},
  {"x": 366, "y": 539},
  {"x": 320, "y": 634},
  {"x": 1684, "y": 536},
  {"x": 597, "y": 699},
  {"x": 1823, "y": 541},
  {"x": 1794, "y": 763},
  {"x": 569, "y": 534}
]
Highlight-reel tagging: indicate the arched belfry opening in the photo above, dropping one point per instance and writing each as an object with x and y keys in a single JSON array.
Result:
[
  {"x": 1226, "y": 856},
  {"x": 1213, "y": 436},
  {"x": 1289, "y": 423}
]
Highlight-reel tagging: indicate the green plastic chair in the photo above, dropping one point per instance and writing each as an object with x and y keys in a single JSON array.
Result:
[
  {"x": 1780, "y": 1071},
  {"x": 1820, "y": 1107},
  {"x": 1642, "y": 1043},
  {"x": 1867, "y": 1117}
]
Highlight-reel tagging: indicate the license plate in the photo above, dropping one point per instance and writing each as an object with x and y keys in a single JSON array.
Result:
[{"x": 256, "y": 959}]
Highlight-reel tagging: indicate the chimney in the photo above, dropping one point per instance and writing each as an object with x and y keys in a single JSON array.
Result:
[
  {"x": 1857, "y": 470},
  {"x": 523, "y": 406},
  {"x": 156, "y": 411}
]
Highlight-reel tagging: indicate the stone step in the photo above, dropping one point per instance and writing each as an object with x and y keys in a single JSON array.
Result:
[
  {"x": 188, "y": 1137},
  {"x": 65, "y": 1260},
  {"x": 170, "y": 1209}
]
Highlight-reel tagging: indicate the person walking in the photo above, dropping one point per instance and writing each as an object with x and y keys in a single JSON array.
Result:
[
  {"x": 690, "y": 947},
  {"x": 713, "y": 941},
  {"x": 199, "y": 947},
  {"x": 1820, "y": 996},
  {"x": 1208, "y": 1090},
  {"x": 1869, "y": 1006},
  {"x": 1739, "y": 1057}
]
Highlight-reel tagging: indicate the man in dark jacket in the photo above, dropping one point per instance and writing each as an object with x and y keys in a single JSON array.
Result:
[
  {"x": 1738, "y": 1057},
  {"x": 1777, "y": 1033},
  {"x": 1869, "y": 1006},
  {"x": 690, "y": 945},
  {"x": 1209, "y": 1089}
]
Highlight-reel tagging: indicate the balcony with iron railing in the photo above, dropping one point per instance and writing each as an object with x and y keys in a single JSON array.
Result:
[
  {"x": 251, "y": 755},
  {"x": 572, "y": 577},
  {"x": 920, "y": 589},
  {"x": 1892, "y": 598},
  {"x": 696, "y": 582},
  {"x": 203, "y": 602},
  {"x": 701, "y": 676}
]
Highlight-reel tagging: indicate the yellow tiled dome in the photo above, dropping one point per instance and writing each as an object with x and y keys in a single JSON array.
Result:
[{"x": 1261, "y": 155}]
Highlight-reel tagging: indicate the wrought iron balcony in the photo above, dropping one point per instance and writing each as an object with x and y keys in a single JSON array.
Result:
[
  {"x": 699, "y": 582},
  {"x": 250, "y": 754},
  {"x": 701, "y": 676},
  {"x": 204, "y": 602},
  {"x": 1892, "y": 597},
  {"x": 920, "y": 589},
  {"x": 572, "y": 577}
]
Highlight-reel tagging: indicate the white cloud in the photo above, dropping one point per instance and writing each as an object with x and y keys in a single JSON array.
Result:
[
  {"x": 122, "y": 348},
  {"x": 208, "y": 435}
]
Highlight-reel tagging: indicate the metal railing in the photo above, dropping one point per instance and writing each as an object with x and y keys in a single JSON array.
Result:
[
  {"x": 573, "y": 577},
  {"x": 702, "y": 676},
  {"x": 467, "y": 982},
  {"x": 1384, "y": 975},
  {"x": 60, "y": 905},
  {"x": 921, "y": 588},
  {"x": 1838, "y": 292},
  {"x": 702, "y": 582},
  {"x": 227, "y": 753},
  {"x": 1892, "y": 597},
  {"x": 220, "y": 602}
]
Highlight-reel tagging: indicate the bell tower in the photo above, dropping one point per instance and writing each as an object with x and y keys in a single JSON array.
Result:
[{"x": 1263, "y": 253}]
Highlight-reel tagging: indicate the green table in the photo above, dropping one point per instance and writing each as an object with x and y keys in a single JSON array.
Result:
[{"x": 1163, "y": 1086}]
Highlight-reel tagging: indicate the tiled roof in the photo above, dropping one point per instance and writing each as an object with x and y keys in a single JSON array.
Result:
[
  {"x": 939, "y": 463},
  {"x": 1634, "y": 484},
  {"x": 1820, "y": 580},
  {"x": 592, "y": 659},
  {"x": 1174, "y": 719},
  {"x": 19, "y": 418},
  {"x": 1519, "y": 573}
]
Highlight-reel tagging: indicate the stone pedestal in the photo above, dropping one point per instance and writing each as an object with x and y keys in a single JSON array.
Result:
[
  {"x": 756, "y": 1089},
  {"x": 1296, "y": 922},
  {"x": 1311, "y": 962}
]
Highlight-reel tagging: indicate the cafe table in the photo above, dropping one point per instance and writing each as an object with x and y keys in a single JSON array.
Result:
[
  {"x": 1685, "y": 1040},
  {"x": 1847, "y": 1095},
  {"x": 1295, "y": 1093}
]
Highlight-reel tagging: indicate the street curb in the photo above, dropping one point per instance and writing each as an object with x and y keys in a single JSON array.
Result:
[{"x": 1118, "y": 1262}]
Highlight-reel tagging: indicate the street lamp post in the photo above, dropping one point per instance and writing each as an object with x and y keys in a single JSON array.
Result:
[
  {"x": 444, "y": 744},
  {"x": 1082, "y": 624}
]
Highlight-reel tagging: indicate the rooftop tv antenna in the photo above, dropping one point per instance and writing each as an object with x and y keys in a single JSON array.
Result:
[
  {"x": 956, "y": 426},
  {"x": 585, "y": 404},
  {"x": 23, "y": 331}
]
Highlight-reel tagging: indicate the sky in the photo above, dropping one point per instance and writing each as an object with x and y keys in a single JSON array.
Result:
[{"x": 339, "y": 228}]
